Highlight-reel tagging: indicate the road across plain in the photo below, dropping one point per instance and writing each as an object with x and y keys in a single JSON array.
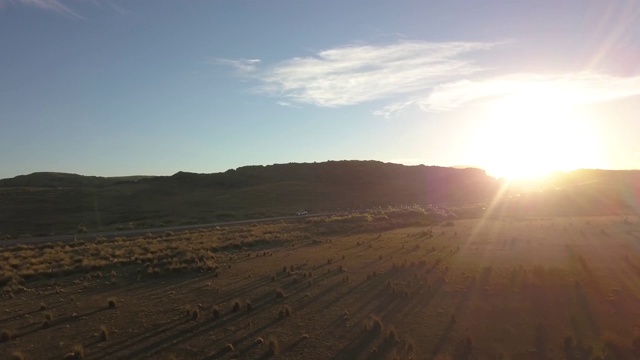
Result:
[{"x": 137, "y": 232}]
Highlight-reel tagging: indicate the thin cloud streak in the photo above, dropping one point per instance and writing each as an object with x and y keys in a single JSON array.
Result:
[
  {"x": 48, "y": 5},
  {"x": 242, "y": 66},
  {"x": 391, "y": 109},
  {"x": 356, "y": 74},
  {"x": 569, "y": 89},
  {"x": 287, "y": 104}
]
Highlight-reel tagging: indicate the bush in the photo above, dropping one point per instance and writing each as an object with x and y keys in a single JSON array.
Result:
[
  {"x": 6, "y": 335},
  {"x": 410, "y": 347},
  {"x": 195, "y": 314},
  {"x": 375, "y": 325},
  {"x": 274, "y": 347},
  {"x": 104, "y": 333},
  {"x": 216, "y": 312},
  {"x": 77, "y": 352},
  {"x": 392, "y": 335}
]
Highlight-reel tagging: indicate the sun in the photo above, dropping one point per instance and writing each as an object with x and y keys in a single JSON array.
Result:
[{"x": 526, "y": 137}]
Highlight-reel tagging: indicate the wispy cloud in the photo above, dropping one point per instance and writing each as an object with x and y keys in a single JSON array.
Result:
[
  {"x": 287, "y": 104},
  {"x": 393, "y": 108},
  {"x": 571, "y": 89},
  {"x": 48, "y": 5},
  {"x": 431, "y": 76},
  {"x": 356, "y": 74},
  {"x": 242, "y": 66}
]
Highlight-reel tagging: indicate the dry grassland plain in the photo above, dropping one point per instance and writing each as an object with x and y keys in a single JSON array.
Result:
[{"x": 539, "y": 288}]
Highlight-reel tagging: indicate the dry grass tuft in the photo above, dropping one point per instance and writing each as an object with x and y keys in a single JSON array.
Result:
[
  {"x": 410, "y": 347},
  {"x": 195, "y": 314},
  {"x": 392, "y": 335},
  {"x": 375, "y": 325},
  {"x": 216, "y": 311},
  {"x": 104, "y": 333},
  {"x": 236, "y": 306},
  {"x": 274, "y": 347},
  {"x": 7, "y": 335},
  {"x": 17, "y": 355},
  {"x": 77, "y": 352}
]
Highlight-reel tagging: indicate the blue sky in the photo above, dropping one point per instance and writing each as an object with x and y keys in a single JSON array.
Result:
[{"x": 107, "y": 87}]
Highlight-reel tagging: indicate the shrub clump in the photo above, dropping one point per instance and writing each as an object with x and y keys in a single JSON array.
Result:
[
  {"x": 195, "y": 314},
  {"x": 77, "y": 352},
  {"x": 392, "y": 335},
  {"x": 410, "y": 347},
  {"x": 17, "y": 355},
  {"x": 375, "y": 325},
  {"x": 274, "y": 347},
  {"x": 7, "y": 335},
  {"x": 236, "y": 306},
  {"x": 216, "y": 312},
  {"x": 104, "y": 333}
]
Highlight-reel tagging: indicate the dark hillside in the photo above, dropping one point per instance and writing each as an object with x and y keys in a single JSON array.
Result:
[
  {"x": 53, "y": 203},
  {"x": 55, "y": 180}
]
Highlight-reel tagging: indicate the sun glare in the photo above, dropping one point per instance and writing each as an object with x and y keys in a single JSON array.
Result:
[{"x": 527, "y": 137}]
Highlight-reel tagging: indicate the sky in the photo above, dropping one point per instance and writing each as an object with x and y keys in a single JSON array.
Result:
[{"x": 113, "y": 88}]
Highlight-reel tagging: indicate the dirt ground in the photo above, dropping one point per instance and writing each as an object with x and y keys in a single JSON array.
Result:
[{"x": 543, "y": 288}]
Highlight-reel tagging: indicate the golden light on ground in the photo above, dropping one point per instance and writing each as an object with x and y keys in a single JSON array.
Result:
[{"x": 530, "y": 136}]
